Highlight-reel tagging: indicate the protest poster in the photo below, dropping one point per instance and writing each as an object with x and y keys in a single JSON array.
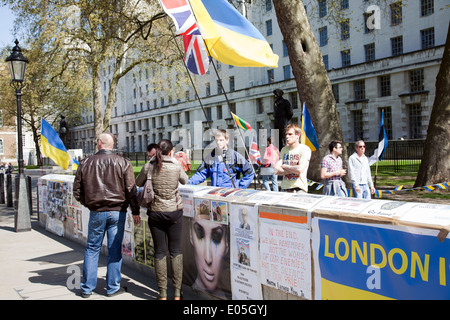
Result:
[
  {"x": 355, "y": 260},
  {"x": 285, "y": 253},
  {"x": 244, "y": 255}
]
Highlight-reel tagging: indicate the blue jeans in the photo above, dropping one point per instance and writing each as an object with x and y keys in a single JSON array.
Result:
[
  {"x": 365, "y": 192},
  {"x": 274, "y": 179},
  {"x": 112, "y": 223}
]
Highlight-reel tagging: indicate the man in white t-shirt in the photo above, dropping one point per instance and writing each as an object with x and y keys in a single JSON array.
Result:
[
  {"x": 359, "y": 172},
  {"x": 294, "y": 161}
]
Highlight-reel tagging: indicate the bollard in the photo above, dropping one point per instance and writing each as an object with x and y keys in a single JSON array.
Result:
[
  {"x": 9, "y": 192},
  {"x": 16, "y": 191},
  {"x": 30, "y": 202},
  {"x": 2, "y": 188}
]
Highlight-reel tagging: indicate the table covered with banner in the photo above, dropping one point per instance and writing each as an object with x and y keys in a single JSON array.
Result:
[{"x": 249, "y": 244}]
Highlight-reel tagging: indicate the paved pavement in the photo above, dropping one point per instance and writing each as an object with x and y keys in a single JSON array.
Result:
[{"x": 38, "y": 265}]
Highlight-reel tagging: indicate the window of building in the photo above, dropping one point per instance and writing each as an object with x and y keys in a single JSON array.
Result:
[
  {"x": 287, "y": 72},
  {"x": 426, "y": 7},
  {"x": 385, "y": 85},
  {"x": 369, "y": 51},
  {"x": 358, "y": 132},
  {"x": 397, "y": 45},
  {"x": 344, "y": 4},
  {"x": 285, "y": 49},
  {"x": 208, "y": 89},
  {"x": 323, "y": 36},
  {"x": 366, "y": 16},
  {"x": 270, "y": 76},
  {"x": 259, "y": 106},
  {"x": 293, "y": 97},
  {"x": 232, "y": 85},
  {"x": 427, "y": 37},
  {"x": 335, "y": 88},
  {"x": 219, "y": 112},
  {"x": 325, "y": 61},
  {"x": 346, "y": 58},
  {"x": 345, "y": 29},
  {"x": 233, "y": 107},
  {"x": 359, "y": 89},
  {"x": 416, "y": 80},
  {"x": 268, "y": 5},
  {"x": 269, "y": 27},
  {"x": 322, "y": 8},
  {"x": 415, "y": 120},
  {"x": 187, "y": 117},
  {"x": 219, "y": 87},
  {"x": 396, "y": 13}
]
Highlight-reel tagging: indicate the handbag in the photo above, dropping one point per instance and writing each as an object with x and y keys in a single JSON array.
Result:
[{"x": 146, "y": 196}]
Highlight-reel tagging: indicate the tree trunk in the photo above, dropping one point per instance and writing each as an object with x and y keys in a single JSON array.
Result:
[
  {"x": 98, "y": 111},
  {"x": 313, "y": 83},
  {"x": 435, "y": 165}
]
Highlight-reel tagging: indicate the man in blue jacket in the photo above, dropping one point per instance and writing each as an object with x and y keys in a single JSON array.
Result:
[{"x": 224, "y": 164}]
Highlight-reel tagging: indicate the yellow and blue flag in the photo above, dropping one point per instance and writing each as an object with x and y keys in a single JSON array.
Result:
[
  {"x": 309, "y": 136},
  {"x": 230, "y": 37},
  {"x": 53, "y": 147}
]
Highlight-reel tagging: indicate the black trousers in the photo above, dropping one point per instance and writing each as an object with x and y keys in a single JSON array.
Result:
[{"x": 166, "y": 234}]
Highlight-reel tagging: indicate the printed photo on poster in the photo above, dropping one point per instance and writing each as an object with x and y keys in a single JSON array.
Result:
[
  {"x": 202, "y": 209},
  {"x": 206, "y": 256},
  {"x": 245, "y": 282},
  {"x": 219, "y": 212}
]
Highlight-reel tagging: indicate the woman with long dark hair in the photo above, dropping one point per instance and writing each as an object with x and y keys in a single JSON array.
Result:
[{"x": 165, "y": 217}]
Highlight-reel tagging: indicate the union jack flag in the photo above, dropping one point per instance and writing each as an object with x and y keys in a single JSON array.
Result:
[
  {"x": 196, "y": 56},
  {"x": 255, "y": 156}
]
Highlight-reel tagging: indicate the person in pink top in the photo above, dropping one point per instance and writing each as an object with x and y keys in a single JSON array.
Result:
[
  {"x": 271, "y": 157},
  {"x": 183, "y": 158}
]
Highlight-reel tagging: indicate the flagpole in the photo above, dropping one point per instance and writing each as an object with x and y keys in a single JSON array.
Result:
[
  {"x": 378, "y": 158},
  {"x": 221, "y": 86},
  {"x": 199, "y": 100},
  {"x": 376, "y": 171},
  {"x": 229, "y": 110},
  {"x": 189, "y": 75},
  {"x": 224, "y": 93}
]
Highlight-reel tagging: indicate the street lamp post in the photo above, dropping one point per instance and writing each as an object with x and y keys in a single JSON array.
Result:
[{"x": 17, "y": 64}]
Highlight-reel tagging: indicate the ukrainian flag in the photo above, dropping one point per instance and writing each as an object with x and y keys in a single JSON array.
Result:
[
  {"x": 53, "y": 147},
  {"x": 309, "y": 136},
  {"x": 230, "y": 37}
]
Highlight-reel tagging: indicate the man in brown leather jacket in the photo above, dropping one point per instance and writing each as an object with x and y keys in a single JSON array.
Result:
[{"x": 105, "y": 184}]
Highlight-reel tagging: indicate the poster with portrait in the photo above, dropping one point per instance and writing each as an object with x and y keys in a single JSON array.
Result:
[
  {"x": 206, "y": 256},
  {"x": 244, "y": 255}
]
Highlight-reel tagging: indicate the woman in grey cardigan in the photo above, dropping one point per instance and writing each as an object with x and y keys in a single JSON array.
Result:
[{"x": 165, "y": 216}]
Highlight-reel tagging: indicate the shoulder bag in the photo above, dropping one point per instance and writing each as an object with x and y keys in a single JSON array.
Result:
[{"x": 146, "y": 196}]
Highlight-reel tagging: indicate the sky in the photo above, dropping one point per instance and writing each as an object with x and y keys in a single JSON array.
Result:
[{"x": 6, "y": 26}]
